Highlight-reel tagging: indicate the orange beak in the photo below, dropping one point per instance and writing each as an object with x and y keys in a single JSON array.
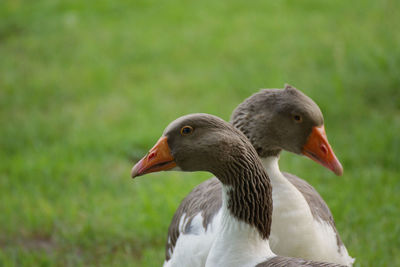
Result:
[
  {"x": 318, "y": 149},
  {"x": 158, "y": 159}
]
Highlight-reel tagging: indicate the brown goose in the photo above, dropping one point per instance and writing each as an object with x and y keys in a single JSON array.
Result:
[
  {"x": 273, "y": 120},
  {"x": 202, "y": 142}
]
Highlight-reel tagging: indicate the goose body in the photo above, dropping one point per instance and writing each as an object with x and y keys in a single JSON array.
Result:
[
  {"x": 194, "y": 238},
  {"x": 314, "y": 235},
  {"x": 202, "y": 142}
]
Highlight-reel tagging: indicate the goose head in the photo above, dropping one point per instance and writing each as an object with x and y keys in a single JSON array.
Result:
[
  {"x": 195, "y": 142},
  {"x": 276, "y": 120}
]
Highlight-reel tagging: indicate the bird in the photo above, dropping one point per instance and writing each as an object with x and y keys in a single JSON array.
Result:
[
  {"x": 203, "y": 142},
  {"x": 273, "y": 120}
]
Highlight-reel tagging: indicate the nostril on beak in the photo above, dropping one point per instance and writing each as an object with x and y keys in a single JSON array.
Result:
[
  {"x": 324, "y": 149},
  {"x": 151, "y": 155}
]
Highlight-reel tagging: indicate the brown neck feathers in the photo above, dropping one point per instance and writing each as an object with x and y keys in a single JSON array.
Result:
[{"x": 250, "y": 199}]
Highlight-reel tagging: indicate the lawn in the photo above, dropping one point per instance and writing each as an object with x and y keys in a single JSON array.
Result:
[{"x": 87, "y": 87}]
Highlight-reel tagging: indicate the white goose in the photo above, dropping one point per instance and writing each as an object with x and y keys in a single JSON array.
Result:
[
  {"x": 302, "y": 225},
  {"x": 202, "y": 142}
]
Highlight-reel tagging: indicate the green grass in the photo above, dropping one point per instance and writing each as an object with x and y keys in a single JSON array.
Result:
[{"x": 87, "y": 87}]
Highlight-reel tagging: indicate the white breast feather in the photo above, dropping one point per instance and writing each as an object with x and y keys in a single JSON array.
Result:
[{"x": 192, "y": 249}]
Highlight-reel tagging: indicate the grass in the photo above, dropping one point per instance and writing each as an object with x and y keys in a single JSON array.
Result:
[{"x": 86, "y": 88}]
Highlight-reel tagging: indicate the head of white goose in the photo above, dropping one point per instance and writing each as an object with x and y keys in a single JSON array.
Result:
[{"x": 276, "y": 120}]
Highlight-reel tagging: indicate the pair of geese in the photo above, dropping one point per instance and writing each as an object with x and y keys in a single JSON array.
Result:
[{"x": 250, "y": 212}]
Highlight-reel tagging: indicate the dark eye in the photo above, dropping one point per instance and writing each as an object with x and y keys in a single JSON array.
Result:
[
  {"x": 186, "y": 130},
  {"x": 297, "y": 118}
]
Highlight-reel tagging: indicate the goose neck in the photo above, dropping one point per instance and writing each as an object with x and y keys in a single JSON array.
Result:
[{"x": 247, "y": 195}]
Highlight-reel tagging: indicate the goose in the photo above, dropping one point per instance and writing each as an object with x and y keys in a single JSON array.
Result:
[
  {"x": 203, "y": 142},
  {"x": 273, "y": 120}
]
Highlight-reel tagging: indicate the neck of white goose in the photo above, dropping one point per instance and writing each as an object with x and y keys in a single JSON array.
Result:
[
  {"x": 281, "y": 186},
  {"x": 271, "y": 165},
  {"x": 246, "y": 212}
]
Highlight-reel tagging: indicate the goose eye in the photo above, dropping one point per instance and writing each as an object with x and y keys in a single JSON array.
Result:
[
  {"x": 297, "y": 118},
  {"x": 186, "y": 130}
]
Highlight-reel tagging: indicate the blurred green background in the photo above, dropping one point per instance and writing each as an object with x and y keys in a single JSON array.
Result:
[{"x": 87, "y": 87}]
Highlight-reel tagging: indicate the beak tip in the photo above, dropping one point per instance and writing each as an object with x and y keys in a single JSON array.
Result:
[
  {"x": 338, "y": 170},
  {"x": 136, "y": 170},
  {"x": 336, "y": 166}
]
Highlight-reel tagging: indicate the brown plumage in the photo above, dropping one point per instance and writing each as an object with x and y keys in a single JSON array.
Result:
[{"x": 210, "y": 190}]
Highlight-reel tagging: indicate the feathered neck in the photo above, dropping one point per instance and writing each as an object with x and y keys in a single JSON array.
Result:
[{"x": 248, "y": 192}]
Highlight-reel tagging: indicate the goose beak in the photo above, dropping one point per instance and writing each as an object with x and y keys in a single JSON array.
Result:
[
  {"x": 318, "y": 149},
  {"x": 159, "y": 158}
]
